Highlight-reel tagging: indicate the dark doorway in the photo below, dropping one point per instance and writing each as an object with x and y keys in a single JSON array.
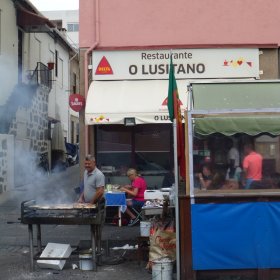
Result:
[{"x": 20, "y": 48}]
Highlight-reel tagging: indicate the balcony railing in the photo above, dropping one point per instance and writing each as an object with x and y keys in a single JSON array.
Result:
[{"x": 41, "y": 76}]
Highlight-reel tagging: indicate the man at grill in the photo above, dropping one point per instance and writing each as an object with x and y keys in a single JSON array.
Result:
[{"x": 94, "y": 182}]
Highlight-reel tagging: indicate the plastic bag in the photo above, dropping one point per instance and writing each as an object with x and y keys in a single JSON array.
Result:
[{"x": 162, "y": 240}]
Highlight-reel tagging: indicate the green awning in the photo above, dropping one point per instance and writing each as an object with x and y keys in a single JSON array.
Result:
[
  {"x": 232, "y": 125},
  {"x": 252, "y": 96}
]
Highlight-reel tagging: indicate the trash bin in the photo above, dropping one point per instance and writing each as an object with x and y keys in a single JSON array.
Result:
[{"x": 162, "y": 269}]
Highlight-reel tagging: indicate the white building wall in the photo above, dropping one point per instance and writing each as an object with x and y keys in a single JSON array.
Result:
[
  {"x": 8, "y": 49},
  {"x": 62, "y": 87},
  {"x": 67, "y": 17},
  {"x": 41, "y": 47}
]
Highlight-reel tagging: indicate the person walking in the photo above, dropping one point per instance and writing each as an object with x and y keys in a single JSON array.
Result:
[
  {"x": 252, "y": 166},
  {"x": 233, "y": 157}
]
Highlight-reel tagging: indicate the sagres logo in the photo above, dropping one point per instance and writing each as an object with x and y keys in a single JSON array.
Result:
[{"x": 104, "y": 67}]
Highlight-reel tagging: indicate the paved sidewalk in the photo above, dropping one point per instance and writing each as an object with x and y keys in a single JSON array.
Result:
[
  {"x": 15, "y": 266},
  {"x": 14, "y": 244}
]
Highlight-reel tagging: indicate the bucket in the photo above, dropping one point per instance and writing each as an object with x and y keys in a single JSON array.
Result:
[
  {"x": 145, "y": 228},
  {"x": 162, "y": 269},
  {"x": 86, "y": 262}
]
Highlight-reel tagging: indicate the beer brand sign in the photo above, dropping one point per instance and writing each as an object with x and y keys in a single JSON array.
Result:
[
  {"x": 76, "y": 102},
  {"x": 188, "y": 64}
]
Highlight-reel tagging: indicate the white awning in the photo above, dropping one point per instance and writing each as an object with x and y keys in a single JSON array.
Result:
[{"x": 109, "y": 102}]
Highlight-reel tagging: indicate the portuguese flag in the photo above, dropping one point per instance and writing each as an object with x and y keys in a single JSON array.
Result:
[{"x": 175, "y": 114}]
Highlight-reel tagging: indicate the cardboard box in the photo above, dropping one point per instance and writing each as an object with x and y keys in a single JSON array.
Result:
[{"x": 55, "y": 250}]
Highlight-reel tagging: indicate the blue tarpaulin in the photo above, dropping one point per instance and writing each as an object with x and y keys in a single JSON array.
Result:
[{"x": 236, "y": 236}]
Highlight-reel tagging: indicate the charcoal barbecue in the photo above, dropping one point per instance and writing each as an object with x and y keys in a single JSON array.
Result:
[{"x": 63, "y": 214}]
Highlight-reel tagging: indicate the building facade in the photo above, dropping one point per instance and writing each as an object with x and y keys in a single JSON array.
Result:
[
  {"x": 35, "y": 62},
  {"x": 138, "y": 50},
  {"x": 67, "y": 20},
  {"x": 125, "y": 53},
  {"x": 68, "y": 23}
]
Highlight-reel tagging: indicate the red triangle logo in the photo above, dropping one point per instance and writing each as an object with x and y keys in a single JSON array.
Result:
[
  {"x": 165, "y": 101},
  {"x": 104, "y": 67}
]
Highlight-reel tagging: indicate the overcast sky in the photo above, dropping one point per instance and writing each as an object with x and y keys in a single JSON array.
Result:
[{"x": 53, "y": 5}]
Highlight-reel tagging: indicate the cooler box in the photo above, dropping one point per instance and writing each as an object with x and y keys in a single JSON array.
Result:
[
  {"x": 55, "y": 250},
  {"x": 153, "y": 194}
]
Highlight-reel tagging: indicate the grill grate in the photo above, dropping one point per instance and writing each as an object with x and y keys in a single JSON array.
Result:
[{"x": 76, "y": 213}]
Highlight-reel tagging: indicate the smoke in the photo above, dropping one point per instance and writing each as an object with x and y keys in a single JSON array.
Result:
[
  {"x": 8, "y": 80},
  {"x": 26, "y": 122},
  {"x": 60, "y": 187},
  {"x": 56, "y": 188},
  {"x": 32, "y": 183}
]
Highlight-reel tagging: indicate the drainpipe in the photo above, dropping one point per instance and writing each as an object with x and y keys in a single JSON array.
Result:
[
  {"x": 69, "y": 92},
  {"x": 95, "y": 44}
]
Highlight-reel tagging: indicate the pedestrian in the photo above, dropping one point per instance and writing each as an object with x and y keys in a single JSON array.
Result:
[
  {"x": 252, "y": 166},
  {"x": 136, "y": 191},
  {"x": 94, "y": 182},
  {"x": 234, "y": 171},
  {"x": 233, "y": 156}
]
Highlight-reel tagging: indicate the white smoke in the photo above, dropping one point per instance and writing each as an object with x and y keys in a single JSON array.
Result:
[{"x": 56, "y": 188}]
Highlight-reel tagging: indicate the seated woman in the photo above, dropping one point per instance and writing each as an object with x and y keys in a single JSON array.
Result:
[
  {"x": 136, "y": 191},
  {"x": 214, "y": 180},
  {"x": 206, "y": 176}
]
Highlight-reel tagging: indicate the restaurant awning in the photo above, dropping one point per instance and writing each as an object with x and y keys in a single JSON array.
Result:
[
  {"x": 110, "y": 102},
  {"x": 219, "y": 100}
]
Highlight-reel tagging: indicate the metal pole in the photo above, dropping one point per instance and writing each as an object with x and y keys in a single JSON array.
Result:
[
  {"x": 176, "y": 173},
  {"x": 39, "y": 239},
  {"x": 30, "y": 233},
  {"x": 93, "y": 246}
]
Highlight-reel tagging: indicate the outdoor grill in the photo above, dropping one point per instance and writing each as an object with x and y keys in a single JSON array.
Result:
[{"x": 63, "y": 214}]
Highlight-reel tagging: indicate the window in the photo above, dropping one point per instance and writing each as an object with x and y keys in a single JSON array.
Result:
[
  {"x": 114, "y": 146},
  {"x": 60, "y": 72},
  {"x": 77, "y": 132},
  {"x": 59, "y": 69},
  {"x": 223, "y": 158},
  {"x": 74, "y": 83},
  {"x": 152, "y": 149},
  {"x": 145, "y": 147},
  {"x": 56, "y": 63},
  {"x": 73, "y": 27},
  {"x": 37, "y": 51},
  {"x": 72, "y": 131}
]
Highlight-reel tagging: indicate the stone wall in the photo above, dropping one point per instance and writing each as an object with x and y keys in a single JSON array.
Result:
[
  {"x": 28, "y": 126},
  {"x": 6, "y": 162},
  {"x": 32, "y": 122}
]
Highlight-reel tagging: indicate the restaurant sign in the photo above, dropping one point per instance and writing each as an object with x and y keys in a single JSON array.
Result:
[
  {"x": 188, "y": 64},
  {"x": 76, "y": 102}
]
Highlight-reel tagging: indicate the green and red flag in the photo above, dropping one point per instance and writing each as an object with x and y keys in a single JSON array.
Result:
[{"x": 175, "y": 113}]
